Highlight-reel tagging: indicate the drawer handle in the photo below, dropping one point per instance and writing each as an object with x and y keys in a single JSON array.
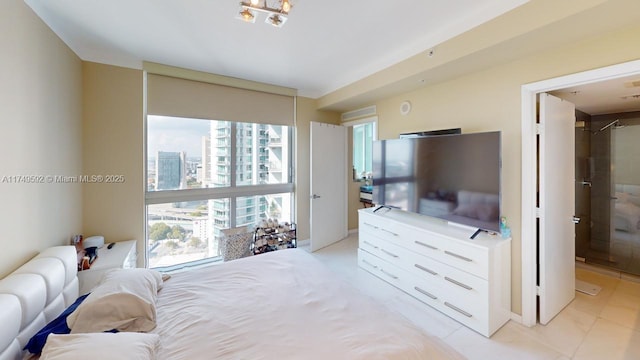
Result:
[
  {"x": 370, "y": 264},
  {"x": 370, "y": 244},
  {"x": 425, "y": 293},
  {"x": 458, "y": 256},
  {"x": 389, "y": 253},
  {"x": 390, "y": 232},
  {"x": 458, "y": 283},
  {"x": 425, "y": 245},
  {"x": 458, "y": 310},
  {"x": 373, "y": 226},
  {"x": 389, "y": 274},
  {"x": 425, "y": 269}
]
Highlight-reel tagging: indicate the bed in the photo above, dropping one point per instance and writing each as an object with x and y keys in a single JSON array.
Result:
[
  {"x": 474, "y": 209},
  {"x": 34, "y": 295},
  {"x": 279, "y": 305},
  {"x": 627, "y": 209}
]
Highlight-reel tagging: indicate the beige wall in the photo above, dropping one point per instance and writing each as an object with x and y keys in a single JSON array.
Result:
[
  {"x": 490, "y": 100},
  {"x": 113, "y": 145},
  {"x": 40, "y": 120},
  {"x": 353, "y": 188},
  {"x": 306, "y": 112}
]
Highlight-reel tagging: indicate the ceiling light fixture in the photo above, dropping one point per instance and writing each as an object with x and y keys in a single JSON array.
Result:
[{"x": 276, "y": 14}]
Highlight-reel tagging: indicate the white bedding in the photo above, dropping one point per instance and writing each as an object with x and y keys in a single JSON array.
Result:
[
  {"x": 281, "y": 305},
  {"x": 627, "y": 210},
  {"x": 627, "y": 217}
]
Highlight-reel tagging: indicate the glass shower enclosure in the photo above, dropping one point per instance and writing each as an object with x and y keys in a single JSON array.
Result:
[{"x": 608, "y": 192}]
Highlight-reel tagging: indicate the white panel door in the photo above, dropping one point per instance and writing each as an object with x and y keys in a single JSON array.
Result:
[
  {"x": 328, "y": 184},
  {"x": 557, "y": 205}
]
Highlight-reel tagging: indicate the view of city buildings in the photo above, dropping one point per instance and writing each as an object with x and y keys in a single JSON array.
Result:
[{"x": 186, "y": 231}]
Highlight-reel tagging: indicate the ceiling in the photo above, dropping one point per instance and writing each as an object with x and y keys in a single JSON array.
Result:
[
  {"x": 604, "y": 97},
  {"x": 323, "y": 46}
]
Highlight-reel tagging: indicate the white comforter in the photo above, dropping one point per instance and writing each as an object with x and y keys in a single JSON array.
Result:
[{"x": 281, "y": 305}]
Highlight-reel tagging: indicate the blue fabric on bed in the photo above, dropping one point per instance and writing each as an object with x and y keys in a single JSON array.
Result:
[{"x": 56, "y": 326}]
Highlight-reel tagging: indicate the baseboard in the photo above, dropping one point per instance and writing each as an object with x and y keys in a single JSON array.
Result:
[
  {"x": 353, "y": 231},
  {"x": 516, "y": 317},
  {"x": 304, "y": 243}
]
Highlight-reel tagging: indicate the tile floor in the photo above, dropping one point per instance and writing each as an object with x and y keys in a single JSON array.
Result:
[{"x": 606, "y": 326}]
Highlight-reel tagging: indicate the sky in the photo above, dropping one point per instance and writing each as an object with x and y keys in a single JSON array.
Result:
[{"x": 176, "y": 134}]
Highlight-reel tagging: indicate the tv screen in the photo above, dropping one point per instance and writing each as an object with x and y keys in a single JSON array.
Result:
[
  {"x": 452, "y": 177},
  {"x": 431, "y": 133}
]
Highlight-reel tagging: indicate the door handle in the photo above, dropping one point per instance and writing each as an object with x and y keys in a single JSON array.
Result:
[{"x": 314, "y": 196}]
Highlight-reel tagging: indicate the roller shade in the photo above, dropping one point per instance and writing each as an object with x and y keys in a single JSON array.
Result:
[{"x": 171, "y": 96}]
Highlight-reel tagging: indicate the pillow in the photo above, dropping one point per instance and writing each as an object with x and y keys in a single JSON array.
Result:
[
  {"x": 56, "y": 326},
  {"x": 125, "y": 300},
  {"x": 468, "y": 210},
  {"x": 488, "y": 212},
  {"x": 622, "y": 197},
  {"x": 101, "y": 346},
  {"x": 483, "y": 212},
  {"x": 634, "y": 199}
]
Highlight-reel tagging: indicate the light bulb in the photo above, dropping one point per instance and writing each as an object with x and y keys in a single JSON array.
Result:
[
  {"x": 255, "y": 2},
  {"x": 275, "y": 20},
  {"x": 246, "y": 15},
  {"x": 286, "y": 6}
]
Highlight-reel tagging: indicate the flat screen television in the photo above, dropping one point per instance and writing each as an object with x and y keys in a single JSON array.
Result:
[
  {"x": 431, "y": 133},
  {"x": 451, "y": 177}
]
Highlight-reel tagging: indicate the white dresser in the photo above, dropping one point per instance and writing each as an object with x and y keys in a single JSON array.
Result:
[
  {"x": 468, "y": 280},
  {"x": 122, "y": 255}
]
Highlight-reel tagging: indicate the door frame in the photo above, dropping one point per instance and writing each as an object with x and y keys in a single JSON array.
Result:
[{"x": 528, "y": 233}]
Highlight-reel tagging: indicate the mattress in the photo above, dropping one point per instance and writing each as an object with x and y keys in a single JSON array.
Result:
[{"x": 281, "y": 305}]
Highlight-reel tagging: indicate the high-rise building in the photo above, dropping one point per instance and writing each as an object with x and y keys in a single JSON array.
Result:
[
  {"x": 258, "y": 160},
  {"x": 171, "y": 170},
  {"x": 205, "y": 178}
]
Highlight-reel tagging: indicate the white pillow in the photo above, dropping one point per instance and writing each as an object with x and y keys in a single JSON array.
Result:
[
  {"x": 622, "y": 197},
  {"x": 634, "y": 199},
  {"x": 124, "y": 300},
  {"x": 100, "y": 346}
]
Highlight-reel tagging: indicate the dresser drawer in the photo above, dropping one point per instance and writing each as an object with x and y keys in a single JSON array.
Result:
[
  {"x": 385, "y": 229},
  {"x": 471, "y": 259},
  {"x": 452, "y": 251},
  {"x": 468, "y": 308},
  {"x": 427, "y": 271},
  {"x": 384, "y": 270},
  {"x": 466, "y": 312}
]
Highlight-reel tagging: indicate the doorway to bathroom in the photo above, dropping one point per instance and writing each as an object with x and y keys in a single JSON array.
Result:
[
  {"x": 573, "y": 88},
  {"x": 608, "y": 189}
]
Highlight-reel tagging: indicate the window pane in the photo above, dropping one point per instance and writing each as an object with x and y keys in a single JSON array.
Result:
[
  {"x": 262, "y": 153},
  {"x": 218, "y": 158},
  {"x": 187, "y": 153},
  {"x": 362, "y": 149},
  {"x": 368, "y": 148},
  {"x": 185, "y": 231},
  {"x": 250, "y": 210}
]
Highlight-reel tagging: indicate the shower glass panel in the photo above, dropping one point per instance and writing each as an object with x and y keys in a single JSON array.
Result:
[{"x": 611, "y": 177}]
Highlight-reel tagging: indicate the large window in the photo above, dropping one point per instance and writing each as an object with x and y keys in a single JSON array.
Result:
[{"x": 207, "y": 175}]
